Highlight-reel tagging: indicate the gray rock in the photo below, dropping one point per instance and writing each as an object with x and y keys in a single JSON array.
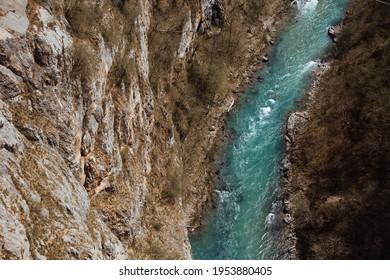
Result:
[
  {"x": 13, "y": 20},
  {"x": 9, "y": 83},
  {"x": 42, "y": 52},
  {"x": 285, "y": 164},
  {"x": 31, "y": 132},
  {"x": 287, "y": 219}
]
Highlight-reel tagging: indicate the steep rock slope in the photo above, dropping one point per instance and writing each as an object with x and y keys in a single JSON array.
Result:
[
  {"x": 109, "y": 111},
  {"x": 338, "y": 181}
]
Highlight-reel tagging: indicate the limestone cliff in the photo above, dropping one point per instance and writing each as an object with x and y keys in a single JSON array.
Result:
[{"x": 109, "y": 111}]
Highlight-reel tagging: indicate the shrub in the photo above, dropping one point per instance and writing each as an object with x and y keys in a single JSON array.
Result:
[
  {"x": 122, "y": 70},
  {"x": 83, "y": 62},
  {"x": 173, "y": 190},
  {"x": 300, "y": 206},
  {"x": 82, "y": 16},
  {"x": 155, "y": 251},
  {"x": 109, "y": 31},
  {"x": 157, "y": 226}
]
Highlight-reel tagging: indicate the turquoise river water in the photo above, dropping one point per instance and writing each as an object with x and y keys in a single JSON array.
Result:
[{"x": 239, "y": 226}]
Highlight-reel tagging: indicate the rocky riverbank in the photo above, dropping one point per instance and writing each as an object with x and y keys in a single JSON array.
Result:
[
  {"x": 336, "y": 152},
  {"x": 295, "y": 125},
  {"x": 242, "y": 73}
]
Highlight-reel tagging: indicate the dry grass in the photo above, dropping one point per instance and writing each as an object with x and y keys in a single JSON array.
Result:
[
  {"x": 172, "y": 192},
  {"x": 84, "y": 64},
  {"x": 83, "y": 17}
]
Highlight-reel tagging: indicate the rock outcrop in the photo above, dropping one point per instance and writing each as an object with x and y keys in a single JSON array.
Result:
[
  {"x": 334, "y": 32},
  {"x": 105, "y": 116}
]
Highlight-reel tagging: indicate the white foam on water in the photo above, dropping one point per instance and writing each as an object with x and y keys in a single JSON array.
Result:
[
  {"x": 285, "y": 76},
  {"x": 243, "y": 163},
  {"x": 223, "y": 195},
  {"x": 255, "y": 124},
  {"x": 270, "y": 102},
  {"x": 265, "y": 111},
  {"x": 306, "y": 6},
  {"x": 308, "y": 66},
  {"x": 237, "y": 211},
  {"x": 269, "y": 220},
  {"x": 271, "y": 92},
  {"x": 252, "y": 130},
  {"x": 264, "y": 236}
]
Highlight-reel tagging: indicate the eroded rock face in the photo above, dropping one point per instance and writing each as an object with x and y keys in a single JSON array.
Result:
[
  {"x": 213, "y": 15},
  {"x": 45, "y": 211},
  {"x": 13, "y": 18},
  {"x": 92, "y": 163}
]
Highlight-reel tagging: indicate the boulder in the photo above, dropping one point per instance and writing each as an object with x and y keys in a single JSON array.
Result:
[{"x": 334, "y": 32}]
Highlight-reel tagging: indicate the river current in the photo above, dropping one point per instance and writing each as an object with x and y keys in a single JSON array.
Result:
[{"x": 239, "y": 227}]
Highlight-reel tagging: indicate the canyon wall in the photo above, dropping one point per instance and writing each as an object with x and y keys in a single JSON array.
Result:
[{"x": 109, "y": 115}]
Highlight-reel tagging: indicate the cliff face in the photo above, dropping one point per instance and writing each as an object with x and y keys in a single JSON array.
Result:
[
  {"x": 109, "y": 111},
  {"x": 337, "y": 164}
]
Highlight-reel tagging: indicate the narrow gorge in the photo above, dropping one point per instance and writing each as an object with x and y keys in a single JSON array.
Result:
[
  {"x": 143, "y": 129},
  {"x": 244, "y": 224}
]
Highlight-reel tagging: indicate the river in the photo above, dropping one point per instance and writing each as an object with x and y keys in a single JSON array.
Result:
[{"x": 239, "y": 227}]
